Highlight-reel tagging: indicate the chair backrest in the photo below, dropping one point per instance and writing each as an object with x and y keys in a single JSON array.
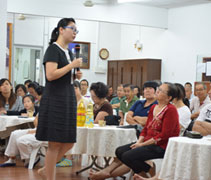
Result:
[{"x": 125, "y": 117}]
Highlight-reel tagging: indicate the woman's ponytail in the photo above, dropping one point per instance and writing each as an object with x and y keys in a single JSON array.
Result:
[
  {"x": 54, "y": 35},
  {"x": 62, "y": 23}
]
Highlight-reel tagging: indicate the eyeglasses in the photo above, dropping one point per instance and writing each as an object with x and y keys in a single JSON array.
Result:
[
  {"x": 73, "y": 28},
  {"x": 160, "y": 90},
  {"x": 200, "y": 90}
]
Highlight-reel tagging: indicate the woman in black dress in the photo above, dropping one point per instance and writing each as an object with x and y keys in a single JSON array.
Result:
[{"x": 57, "y": 116}]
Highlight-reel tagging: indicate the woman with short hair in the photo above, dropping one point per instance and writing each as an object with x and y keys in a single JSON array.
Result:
[{"x": 102, "y": 107}]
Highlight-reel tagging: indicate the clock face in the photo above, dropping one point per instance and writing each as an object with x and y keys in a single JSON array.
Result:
[{"x": 104, "y": 53}]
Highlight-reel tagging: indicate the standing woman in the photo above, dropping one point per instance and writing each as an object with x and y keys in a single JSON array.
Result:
[{"x": 57, "y": 116}]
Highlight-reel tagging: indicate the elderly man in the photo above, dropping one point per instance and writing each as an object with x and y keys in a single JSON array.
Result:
[
  {"x": 203, "y": 122},
  {"x": 200, "y": 101}
]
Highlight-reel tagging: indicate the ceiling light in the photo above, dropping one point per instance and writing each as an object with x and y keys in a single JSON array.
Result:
[
  {"x": 130, "y": 1},
  {"x": 21, "y": 17}
]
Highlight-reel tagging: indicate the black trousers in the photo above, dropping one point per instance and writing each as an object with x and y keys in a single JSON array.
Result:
[{"x": 135, "y": 158}]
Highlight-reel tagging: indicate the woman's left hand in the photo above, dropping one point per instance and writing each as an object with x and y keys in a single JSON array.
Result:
[{"x": 137, "y": 144}]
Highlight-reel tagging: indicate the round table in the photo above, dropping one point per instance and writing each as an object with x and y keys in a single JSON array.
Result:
[
  {"x": 187, "y": 159},
  {"x": 10, "y": 123},
  {"x": 102, "y": 141}
]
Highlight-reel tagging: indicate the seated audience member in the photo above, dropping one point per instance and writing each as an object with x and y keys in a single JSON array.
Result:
[
  {"x": 26, "y": 83},
  {"x": 188, "y": 91},
  {"x": 201, "y": 100},
  {"x": 78, "y": 95},
  {"x": 203, "y": 122},
  {"x": 181, "y": 103},
  {"x": 137, "y": 91},
  {"x": 36, "y": 90},
  {"x": 162, "y": 123},
  {"x": 115, "y": 102},
  {"x": 9, "y": 101},
  {"x": 21, "y": 142},
  {"x": 20, "y": 90},
  {"x": 32, "y": 88},
  {"x": 209, "y": 92},
  {"x": 84, "y": 88},
  {"x": 139, "y": 111},
  {"x": 127, "y": 101},
  {"x": 102, "y": 107},
  {"x": 29, "y": 105},
  {"x": 110, "y": 95},
  {"x": 39, "y": 91}
]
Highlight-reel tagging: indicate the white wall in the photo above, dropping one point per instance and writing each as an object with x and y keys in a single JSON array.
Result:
[
  {"x": 3, "y": 35},
  {"x": 119, "y": 39},
  {"x": 188, "y": 36},
  {"x": 29, "y": 31},
  {"x": 123, "y": 13}
]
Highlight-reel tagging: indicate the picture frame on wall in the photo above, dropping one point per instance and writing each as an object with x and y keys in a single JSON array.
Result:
[{"x": 84, "y": 52}]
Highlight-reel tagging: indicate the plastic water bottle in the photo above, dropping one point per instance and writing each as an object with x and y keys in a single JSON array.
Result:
[
  {"x": 81, "y": 114},
  {"x": 89, "y": 116}
]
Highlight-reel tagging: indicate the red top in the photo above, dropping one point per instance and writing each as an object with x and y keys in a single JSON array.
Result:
[{"x": 163, "y": 126}]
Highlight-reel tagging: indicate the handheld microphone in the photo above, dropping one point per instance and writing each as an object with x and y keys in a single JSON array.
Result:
[{"x": 77, "y": 52}]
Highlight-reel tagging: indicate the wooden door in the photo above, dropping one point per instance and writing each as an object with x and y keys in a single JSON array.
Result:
[
  {"x": 112, "y": 75},
  {"x": 204, "y": 76}
]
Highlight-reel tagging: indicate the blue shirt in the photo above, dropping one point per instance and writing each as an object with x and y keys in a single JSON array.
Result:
[{"x": 139, "y": 109}]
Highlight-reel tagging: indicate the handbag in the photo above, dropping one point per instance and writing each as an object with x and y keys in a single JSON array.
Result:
[
  {"x": 112, "y": 120},
  {"x": 193, "y": 134}
]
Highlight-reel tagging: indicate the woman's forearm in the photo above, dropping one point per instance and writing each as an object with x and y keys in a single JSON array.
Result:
[{"x": 58, "y": 73}]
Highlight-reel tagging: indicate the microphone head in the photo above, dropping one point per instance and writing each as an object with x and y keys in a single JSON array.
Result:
[{"x": 77, "y": 47}]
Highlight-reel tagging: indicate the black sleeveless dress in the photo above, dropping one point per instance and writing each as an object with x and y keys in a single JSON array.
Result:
[{"x": 58, "y": 106}]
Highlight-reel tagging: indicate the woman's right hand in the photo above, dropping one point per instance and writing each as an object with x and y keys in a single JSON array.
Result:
[
  {"x": 76, "y": 63},
  {"x": 137, "y": 144}
]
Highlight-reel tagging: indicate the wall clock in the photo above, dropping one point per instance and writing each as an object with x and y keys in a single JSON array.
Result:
[{"x": 104, "y": 53}]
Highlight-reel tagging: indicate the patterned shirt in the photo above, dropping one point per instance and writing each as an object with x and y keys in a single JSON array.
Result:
[
  {"x": 125, "y": 106},
  {"x": 162, "y": 126}
]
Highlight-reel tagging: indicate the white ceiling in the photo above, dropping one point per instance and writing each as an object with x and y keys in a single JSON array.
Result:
[
  {"x": 172, "y": 3},
  {"x": 158, "y": 3}
]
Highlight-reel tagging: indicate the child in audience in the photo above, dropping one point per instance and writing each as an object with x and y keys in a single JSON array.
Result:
[{"x": 29, "y": 106}]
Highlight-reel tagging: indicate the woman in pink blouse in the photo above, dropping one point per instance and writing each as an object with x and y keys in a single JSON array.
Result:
[{"x": 162, "y": 123}]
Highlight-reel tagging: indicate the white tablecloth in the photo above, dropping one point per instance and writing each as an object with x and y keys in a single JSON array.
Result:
[
  {"x": 9, "y": 121},
  {"x": 102, "y": 141},
  {"x": 187, "y": 159}
]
